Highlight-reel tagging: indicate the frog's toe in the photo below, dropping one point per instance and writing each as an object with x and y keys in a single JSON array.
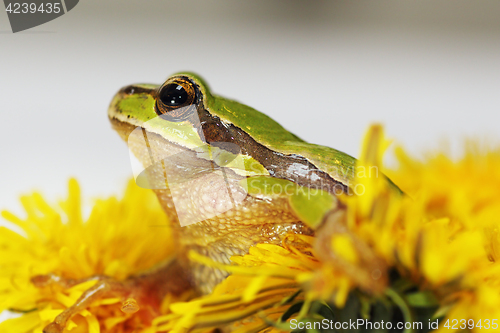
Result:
[
  {"x": 105, "y": 287},
  {"x": 130, "y": 306},
  {"x": 144, "y": 291},
  {"x": 53, "y": 328}
]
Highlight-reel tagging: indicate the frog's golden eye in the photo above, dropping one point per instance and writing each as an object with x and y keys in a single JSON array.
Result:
[{"x": 176, "y": 99}]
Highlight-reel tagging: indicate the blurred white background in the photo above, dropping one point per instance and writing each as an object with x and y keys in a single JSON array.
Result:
[{"x": 427, "y": 70}]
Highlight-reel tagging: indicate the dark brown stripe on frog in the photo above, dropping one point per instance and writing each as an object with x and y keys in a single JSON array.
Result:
[{"x": 291, "y": 167}]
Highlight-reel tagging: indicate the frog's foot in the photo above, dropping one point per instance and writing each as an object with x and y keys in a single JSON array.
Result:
[
  {"x": 139, "y": 291},
  {"x": 105, "y": 287}
]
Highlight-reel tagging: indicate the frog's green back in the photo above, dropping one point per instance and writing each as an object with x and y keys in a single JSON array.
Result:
[{"x": 269, "y": 133}]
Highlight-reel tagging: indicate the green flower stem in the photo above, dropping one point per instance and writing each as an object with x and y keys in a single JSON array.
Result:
[{"x": 398, "y": 299}]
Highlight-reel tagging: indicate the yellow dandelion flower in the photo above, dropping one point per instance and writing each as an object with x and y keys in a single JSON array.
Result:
[
  {"x": 460, "y": 204},
  {"x": 429, "y": 253},
  {"x": 441, "y": 238},
  {"x": 116, "y": 240},
  {"x": 263, "y": 286}
]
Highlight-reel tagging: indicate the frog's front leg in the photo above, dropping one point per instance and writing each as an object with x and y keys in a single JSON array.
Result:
[{"x": 144, "y": 291}]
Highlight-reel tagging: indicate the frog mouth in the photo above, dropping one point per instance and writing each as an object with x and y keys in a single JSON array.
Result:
[{"x": 122, "y": 128}]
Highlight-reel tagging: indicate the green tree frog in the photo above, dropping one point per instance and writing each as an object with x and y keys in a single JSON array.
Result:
[
  {"x": 227, "y": 163},
  {"x": 227, "y": 176}
]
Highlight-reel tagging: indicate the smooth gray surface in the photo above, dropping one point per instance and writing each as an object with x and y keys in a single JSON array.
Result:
[{"x": 427, "y": 70}]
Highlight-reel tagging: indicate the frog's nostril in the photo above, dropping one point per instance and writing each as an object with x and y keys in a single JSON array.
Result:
[
  {"x": 128, "y": 90},
  {"x": 135, "y": 89}
]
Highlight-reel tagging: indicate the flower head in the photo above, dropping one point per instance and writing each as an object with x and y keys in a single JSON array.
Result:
[
  {"x": 115, "y": 240},
  {"x": 430, "y": 251}
]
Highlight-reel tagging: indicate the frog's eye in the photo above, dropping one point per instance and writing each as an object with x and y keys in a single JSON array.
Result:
[{"x": 176, "y": 99}]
